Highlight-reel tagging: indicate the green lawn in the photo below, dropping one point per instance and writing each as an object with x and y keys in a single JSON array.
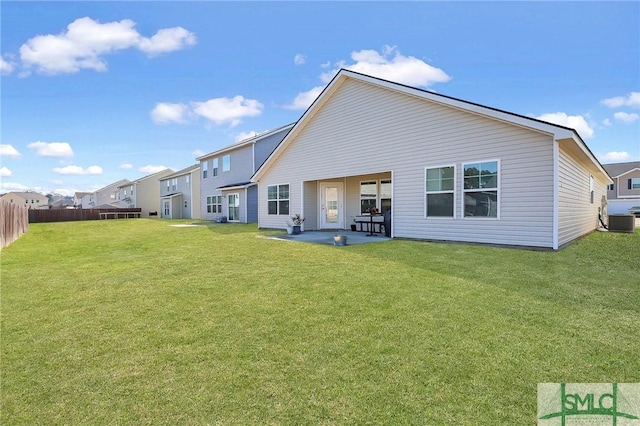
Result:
[{"x": 138, "y": 322}]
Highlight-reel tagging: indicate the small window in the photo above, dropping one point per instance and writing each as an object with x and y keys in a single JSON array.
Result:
[
  {"x": 481, "y": 189},
  {"x": 385, "y": 195},
  {"x": 214, "y": 169},
  {"x": 278, "y": 199},
  {"x": 610, "y": 187},
  {"x": 187, "y": 180},
  {"x": 168, "y": 185},
  {"x": 591, "y": 195},
  {"x": 634, "y": 183},
  {"x": 174, "y": 184},
  {"x": 226, "y": 163},
  {"x": 204, "y": 170},
  {"x": 440, "y": 191}
]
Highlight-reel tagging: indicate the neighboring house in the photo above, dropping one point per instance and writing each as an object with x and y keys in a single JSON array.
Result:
[
  {"x": 447, "y": 169},
  {"x": 143, "y": 193},
  {"x": 180, "y": 194},
  {"x": 624, "y": 192},
  {"x": 32, "y": 200},
  {"x": 77, "y": 198},
  {"x": 225, "y": 177},
  {"x": 60, "y": 202},
  {"x": 103, "y": 196}
]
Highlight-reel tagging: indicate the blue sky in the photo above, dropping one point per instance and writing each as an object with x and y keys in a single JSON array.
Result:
[{"x": 94, "y": 92}]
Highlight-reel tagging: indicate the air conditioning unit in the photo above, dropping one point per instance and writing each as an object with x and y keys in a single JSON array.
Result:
[{"x": 622, "y": 223}]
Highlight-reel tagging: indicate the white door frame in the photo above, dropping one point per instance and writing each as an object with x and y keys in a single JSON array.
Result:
[{"x": 340, "y": 200}]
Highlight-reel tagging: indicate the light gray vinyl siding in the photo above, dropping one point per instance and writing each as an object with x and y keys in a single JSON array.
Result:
[
  {"x": 265, "y": 146},
  {"x": 365, "y": 129},
  {"x": 577, "y": 216}
]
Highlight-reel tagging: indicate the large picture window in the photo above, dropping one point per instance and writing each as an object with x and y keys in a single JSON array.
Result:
[
  {"x": 440, "y": 182},
  {"x": 214, "y": 204},
  {"x": 481, "y": 189},
  {"x": 278, "y": 199}
]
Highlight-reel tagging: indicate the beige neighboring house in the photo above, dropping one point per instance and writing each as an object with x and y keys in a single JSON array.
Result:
[
  {"x": 624, "y": 192},
  {"x": 180, "y": 194},
  {"x": 143, "y": 193},
  {"x": 103, "y": 197},
  {"x": 32, "y": 200}
]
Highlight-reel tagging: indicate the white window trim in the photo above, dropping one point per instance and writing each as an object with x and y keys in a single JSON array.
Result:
[
  {"x": 455, "y": 193},
  {"x": 278, "y": 199},
  {"x": 215, "y": 171},
  {"x": 498, "y": 190},
  {"x": 207, "y": 204},
  {"x": 223, "y": 157},
  {"x": 237, "y": 194},
  {"x": 377, "y": 197}
]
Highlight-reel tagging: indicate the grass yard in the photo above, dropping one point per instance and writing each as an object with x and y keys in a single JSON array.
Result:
[{"x": 138, "y": 322}]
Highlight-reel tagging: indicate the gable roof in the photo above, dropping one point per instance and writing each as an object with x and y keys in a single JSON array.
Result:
[
  {"x": 112, "y": 185},
  {"x": 145, "y": 178},
  {"x": 558, "y": 132},
  {"x": 247, "y": 141},
  {"x": 184, "y": 171},
  {"x": 619, "y": 169}
]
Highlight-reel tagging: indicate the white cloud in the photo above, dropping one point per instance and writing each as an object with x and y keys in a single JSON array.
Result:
[
  {"x": 164, "y": 113},
  {"x": 77, "y": 170},
  {"x": 304, "y": 99},
  {"x": 576, "y": 122},
  {"x": 167, "y": 40},
  {"x": 631, "y": 100},
  {"x": 13, "y": 186},
  {"x": 53, "y": 149},
  {"x": 7, "y": 150},
  {"x": 245, "y": 135},
  {"x": 126, "y": 166},
  {"x": 4, "y": 172},
  {"x": 389, "y": 64},
  {"x": 606, "y": 122},
  {"x": 85, "y": 42},
  {"x": 198, "y": 153},
  {"x": 299, "y": 59},
  {"x": 151, "y": 169},
  {"x": 615, "y": 156},
  {"x": 228, "y": 110},
  {"x": 626, "y": 117},
  {"x": 6, "y": 67}
]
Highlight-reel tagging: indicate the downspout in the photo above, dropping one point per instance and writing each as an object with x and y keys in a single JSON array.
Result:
[{"x": 556, "y": 190}]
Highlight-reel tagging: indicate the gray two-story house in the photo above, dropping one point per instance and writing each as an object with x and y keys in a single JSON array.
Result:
[
  {"x": 624, "y": 192},
  {"x": 180, "y": 194},
  {"x": 226, "y": 189},
  {"x": 143, "y": 193}
]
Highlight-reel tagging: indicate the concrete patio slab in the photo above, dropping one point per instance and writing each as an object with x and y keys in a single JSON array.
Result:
[{"x": 326, "y": 237}]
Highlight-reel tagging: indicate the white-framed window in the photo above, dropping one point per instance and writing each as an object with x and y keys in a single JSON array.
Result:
[
  {"x": 214, "y": 204},
  {"x": 174, "y": 184},
  {"x": 204, "y": 169},
  {"x": 168, "y": 185},
  {"x": 234, "y": 207},
  {"x": 278, "y": 199},
  {"x": 634, "y": 183},
  {"x": 611, "y": 187},
  {"x": 480, "y": 183},
  {"x": 187, "y": 180},
  {"x": 375, "y": 195},
  {"x": 226, "y": 163},
  {"x": 214, "y": 169},
  {"x": 368, "y": 196},
  {"x": 591, "y": 183},
  {"x": 440, "y": 191}
]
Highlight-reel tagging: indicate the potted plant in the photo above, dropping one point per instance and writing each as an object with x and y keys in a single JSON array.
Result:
[{"x": 297, "y": 222}]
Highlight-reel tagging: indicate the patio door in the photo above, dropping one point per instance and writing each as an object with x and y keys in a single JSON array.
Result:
[
  {"x": 166, "y": 208},
  {"x": 234, "y": 207},
  {"x": 331, "y": 204}
]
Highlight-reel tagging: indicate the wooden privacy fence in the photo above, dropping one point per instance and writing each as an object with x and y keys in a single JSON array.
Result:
[
  {"x": 66, "y": 215},
  {"x": 14, "y": 221}
]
